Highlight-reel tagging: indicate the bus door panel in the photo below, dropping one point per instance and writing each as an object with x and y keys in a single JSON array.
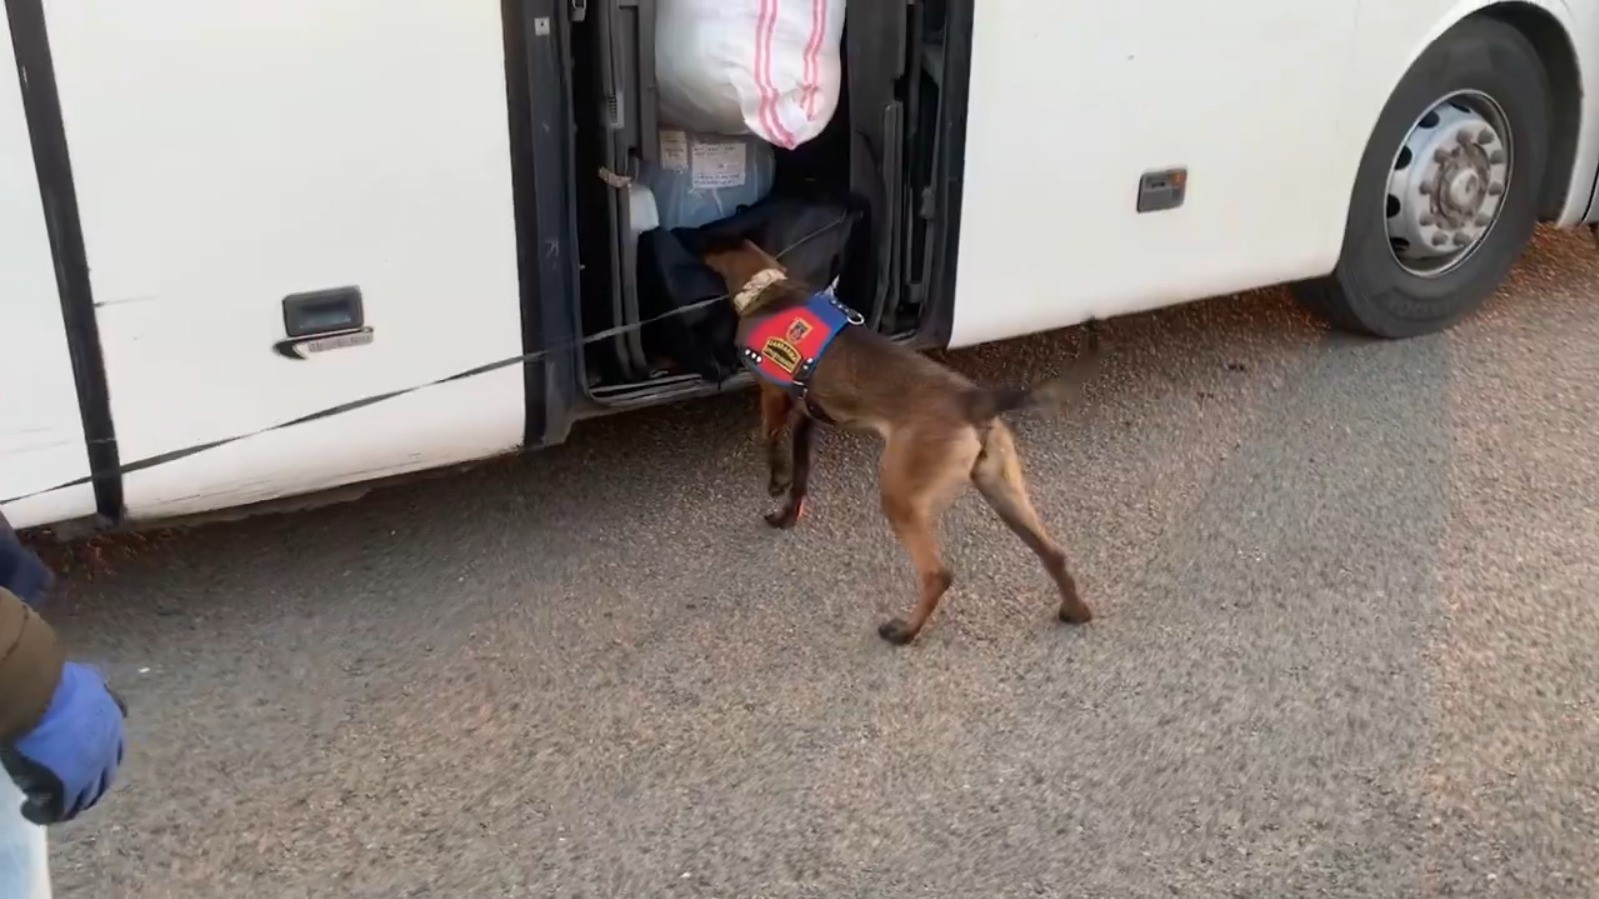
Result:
[
  {"x": 1080, "y": 112},
  {"x": 228, "y": 156}
]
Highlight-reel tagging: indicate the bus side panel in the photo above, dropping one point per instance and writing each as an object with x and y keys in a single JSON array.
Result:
[
  {"x": 1073, "y": 102},
  {"x": 41, "y": 430},
  {"x": 1269, "y": 104},
  {"x": 230, "y": 154}
]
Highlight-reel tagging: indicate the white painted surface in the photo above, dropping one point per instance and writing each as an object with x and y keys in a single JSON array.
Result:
[
  {"x": 41, "y": 433},
  {"x": 1268, "y": 104},
  {"x": 229, "y": 154}
]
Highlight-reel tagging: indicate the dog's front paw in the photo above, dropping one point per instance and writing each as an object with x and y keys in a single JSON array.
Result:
[
  {"x": 778, "y": 484},
  {"x": 786, "y": 517},
  {"x": 897, "y": 632},
  {"x": 1075, "y": 611}
]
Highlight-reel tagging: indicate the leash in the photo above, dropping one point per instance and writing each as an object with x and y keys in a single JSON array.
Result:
[{"x": 174, "y": 455}]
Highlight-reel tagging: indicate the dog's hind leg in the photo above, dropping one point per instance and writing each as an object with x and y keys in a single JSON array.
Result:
[
  {"x": 803, "y": 434},
  {"x": 998, "y": 477},
  {"x": 920, "y": 472}
]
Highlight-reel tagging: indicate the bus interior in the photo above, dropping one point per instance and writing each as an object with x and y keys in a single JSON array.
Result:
[{"x": 859, "y": 207}]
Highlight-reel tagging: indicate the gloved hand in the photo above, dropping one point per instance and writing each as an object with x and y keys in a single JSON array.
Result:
[{"x": 66, "y": 763}]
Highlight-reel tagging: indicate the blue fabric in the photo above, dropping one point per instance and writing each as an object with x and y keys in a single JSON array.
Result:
[
  {"x": 21, "y": 571},
  {"x": 832, "y": 313},
  {"x": 24, "y": 849},
  {"x": 68, "y": 761}
]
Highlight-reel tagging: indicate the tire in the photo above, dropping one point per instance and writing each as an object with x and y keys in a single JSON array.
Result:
[{"x": 1371, "y": 291}]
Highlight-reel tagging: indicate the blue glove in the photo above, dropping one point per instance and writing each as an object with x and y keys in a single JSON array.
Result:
[{"x": 66, "y": 763}]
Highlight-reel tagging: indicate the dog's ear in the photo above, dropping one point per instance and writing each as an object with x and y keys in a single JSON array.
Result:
[
  {"x": 713, "y": 240},
  {"x": 767, "y": 260},
  {"x": 724, "y": 261},
  {"x": 739, "y": 262}
]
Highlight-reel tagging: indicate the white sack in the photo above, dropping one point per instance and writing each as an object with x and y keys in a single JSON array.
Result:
[{"x": 764, "y": 67}]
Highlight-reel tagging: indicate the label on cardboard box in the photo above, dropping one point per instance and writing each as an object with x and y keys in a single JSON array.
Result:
[
  {"x": 716, "y": 164},
  {"x": 674, "y": 150}
]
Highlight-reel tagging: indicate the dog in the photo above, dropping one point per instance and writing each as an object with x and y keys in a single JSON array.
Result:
[{"x": 940, "y": 430}]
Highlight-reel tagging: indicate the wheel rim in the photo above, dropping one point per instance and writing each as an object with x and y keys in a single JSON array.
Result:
[{"x": 1448, "y": 183}]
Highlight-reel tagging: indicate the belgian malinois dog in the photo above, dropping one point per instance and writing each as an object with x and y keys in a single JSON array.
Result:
[{"x": 940, "y": 430}]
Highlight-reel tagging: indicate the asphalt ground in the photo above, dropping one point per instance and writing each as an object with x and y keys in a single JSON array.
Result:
[{"x": 1348, "y": 614}]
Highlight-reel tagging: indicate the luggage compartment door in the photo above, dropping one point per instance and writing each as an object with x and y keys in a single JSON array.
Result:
[
  {"x": 1124, "y": 156},
  {"x": 229, "y": 155}
]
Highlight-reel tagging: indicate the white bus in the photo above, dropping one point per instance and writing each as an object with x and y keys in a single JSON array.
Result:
[{"x": 218, "y": 218}]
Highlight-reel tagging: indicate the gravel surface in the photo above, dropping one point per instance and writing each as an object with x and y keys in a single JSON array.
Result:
[{"x": 1348, "y": 614}]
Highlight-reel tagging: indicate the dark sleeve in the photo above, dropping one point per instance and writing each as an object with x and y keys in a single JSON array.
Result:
[
  {"x": 30, "y": 667},
  {"x": 21, "y": 571}
]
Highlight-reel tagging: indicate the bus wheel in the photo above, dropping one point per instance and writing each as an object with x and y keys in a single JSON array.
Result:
[{"x": 1447, "y": 192}]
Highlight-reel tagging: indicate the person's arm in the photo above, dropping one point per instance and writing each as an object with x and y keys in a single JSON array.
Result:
[
  {"x": 30, "y": 667},
  {"x": 60, "y": 725}
]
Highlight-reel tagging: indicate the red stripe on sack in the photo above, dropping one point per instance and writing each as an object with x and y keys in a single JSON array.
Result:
[
  {"x": 781, "y": 133},
  {"x": 761, "y": 112},
  {"x": 813, "y": 49}
]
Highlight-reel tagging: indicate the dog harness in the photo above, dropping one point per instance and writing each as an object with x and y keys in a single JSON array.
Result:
[{"x": 785, "y": 347}]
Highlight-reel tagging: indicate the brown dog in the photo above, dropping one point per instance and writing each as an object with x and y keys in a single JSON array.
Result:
[{"x": 940, "y": 429}]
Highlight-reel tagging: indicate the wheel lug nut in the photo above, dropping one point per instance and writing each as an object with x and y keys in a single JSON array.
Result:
[
  {"x": 1495, "y": 189},
  {"x": 1425, "y": 188},
  {"x": 1440, "y": 155},
  {"x": 1485, "y": 136},
  {"x": 1496, "y": 157},
  {"x": 1483, "y": 220},
  {"x": 1464, "y": 137},
  {"x": 1461, "y": 240},
  {"x": 1439, "y": 240},
  {"x": 1427, "y": 221}
]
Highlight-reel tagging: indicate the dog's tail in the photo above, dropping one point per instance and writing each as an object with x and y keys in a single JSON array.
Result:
[{"x": 992, "y": 402}]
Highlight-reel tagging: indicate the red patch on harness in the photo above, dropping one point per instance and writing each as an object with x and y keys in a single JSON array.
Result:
[{"x": 786, "y": 341}]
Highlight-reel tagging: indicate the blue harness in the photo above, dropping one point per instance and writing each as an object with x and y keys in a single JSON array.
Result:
[{"x": 784, "y": 348}]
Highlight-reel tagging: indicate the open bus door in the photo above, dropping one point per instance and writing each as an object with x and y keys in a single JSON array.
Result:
[{"x": 249, "y": 177}]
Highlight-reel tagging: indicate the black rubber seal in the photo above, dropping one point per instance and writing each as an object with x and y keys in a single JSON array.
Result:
[
  {"x": 938, "y": 322},
  {"x": 537, "y": 61}
]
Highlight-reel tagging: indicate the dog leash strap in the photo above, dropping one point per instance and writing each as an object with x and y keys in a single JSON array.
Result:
[{"x": 372, "y": 400}]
